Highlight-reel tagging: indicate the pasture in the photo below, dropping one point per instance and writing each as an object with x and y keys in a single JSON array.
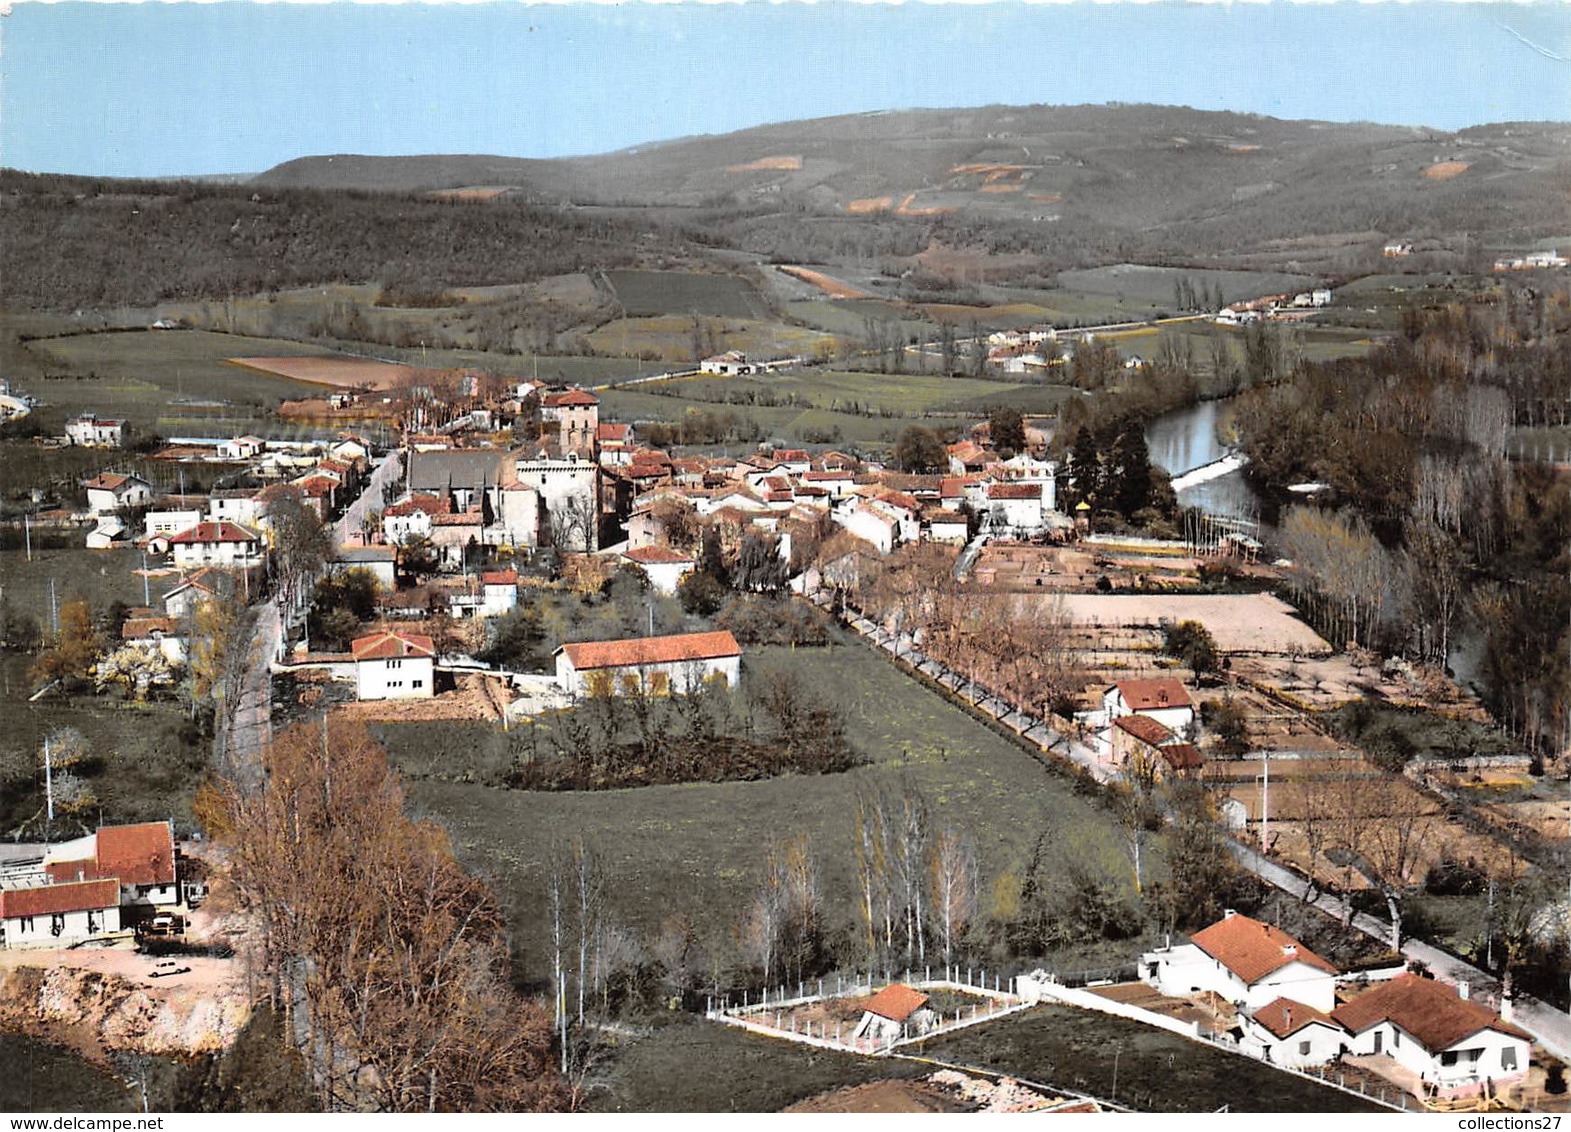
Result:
[
  {"x": 683, "y": 339},
  {"x": 1144, "y": 283},
  {"x": 698, "y": 850},
  {"x": 641, "y": 293},
  {"x": 1157, "y": 1071},
  {"x": 161, "y": 380}
]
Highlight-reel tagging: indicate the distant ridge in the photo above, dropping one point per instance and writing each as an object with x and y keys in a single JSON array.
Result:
[{"x": 1122, "y": 167}]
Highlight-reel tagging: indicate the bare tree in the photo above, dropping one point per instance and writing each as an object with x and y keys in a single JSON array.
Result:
[{"x": 955, "y": 883}]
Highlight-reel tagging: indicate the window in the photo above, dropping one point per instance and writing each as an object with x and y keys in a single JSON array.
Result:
[
  {"x": 417, "y": 683},
  {"x": 1396, "y": 1037},
  {"x": 1448, "y": 1058},
  {"x": 1508, "y": 1057},
  {"x": 1303, "y": 1048},
  {"x": 395, "y": 664}
]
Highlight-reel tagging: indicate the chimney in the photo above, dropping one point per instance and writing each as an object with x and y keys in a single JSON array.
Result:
[
  {"x": 1462, "y": 989},
  {"x": 1228, "y": 914},
  {"x": 1289, "y": 949},
  {"x": 1287, "y": 1016}
]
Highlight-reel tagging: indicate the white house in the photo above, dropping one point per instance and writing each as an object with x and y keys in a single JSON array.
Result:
[
  {"x": 58, "y": 915},
  {"x": 1245, "y": 962},
  {"x": 730, "y": 362},
  {"x": 170, "y": 522},
  {"x": 1018, "y": 506},
  {"x": 378, "y": 561},
  {"x": 194, "y": 589},
  {"x": 94, "y": 431},
  {"x": 665, "y": 568},
  {"x": 111, "y": 531},
  {"x": 240, "y": 448},
  {"x": 1457, "y": 1047},
  {"x": 1290, "y": 1033},
  {"x": 869, "y": 524},
  {"x": 1163, "y": 699},
  {"x": 659, "y": 665},
  {"x": 216, "y": 544},
  {"x": 110, "y": 491},
  {"x": 947, "y": 526},
  {"x": 236, "y": 506},
  {"x": 896, "y": 1012},
  {"x": 498, "y": 592},
  {"x": 394, "y": 666},
  {"x": 140, "y": 858},
  {"x": 410, "y": 518},
  {"x": 156, "y": 634}
]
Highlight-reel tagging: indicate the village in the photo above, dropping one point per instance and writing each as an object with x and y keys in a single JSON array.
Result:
[{"x": 395, "y": 570}]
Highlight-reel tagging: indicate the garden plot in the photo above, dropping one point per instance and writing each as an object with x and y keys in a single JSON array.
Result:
[{"x": 1239, "y": 623}]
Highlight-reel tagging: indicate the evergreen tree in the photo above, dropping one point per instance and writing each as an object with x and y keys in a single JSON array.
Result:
[{"x": 1132, "y": 459}]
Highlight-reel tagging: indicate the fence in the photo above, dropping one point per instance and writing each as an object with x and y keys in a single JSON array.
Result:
[{"x": 775, "y": 1015}]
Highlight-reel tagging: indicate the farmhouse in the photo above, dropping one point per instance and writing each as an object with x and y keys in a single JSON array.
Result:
[
  {"x": 1138, "y": 745},
  {"x": 192, "y": 590},
  {"x": 1020, "y": 507},
  {"x": 155, "y": 634},
  {"x": 1289, "y": 1033},
  {"x": 240, "y": 448},
  {"x": 659, "y": 665},
  {"x": 141, "y": 858},
  {"x": 1244, "y": 961},
  {"x": 1457, "y": 1047},
  {"x": 110, "y": 491},
  {"x": 730, "y": 362},
  {"x": 896, "y": 1012},
  {"x": 58, "y": 915},
  {"x": 94, "y": 431},
  {"x": 664, "y": 567},
  {"x": 216, "y": 544},
  {"x": 1162, "y": 699},
  {"x": 498, "y": 592},
  {"x": 393, "y": 666}
]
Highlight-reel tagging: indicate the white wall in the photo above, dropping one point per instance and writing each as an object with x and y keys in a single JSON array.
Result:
[
  {"x": 1324, "y": 1043},
  {"x": 400, "y": 678},
  {"x": 1299, "y": 982},
  {"x": 679, "y": 676},
  {"x": 75, "y": 928}
]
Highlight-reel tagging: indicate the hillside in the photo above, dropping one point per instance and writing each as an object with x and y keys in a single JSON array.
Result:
[{"x": 1214, "y": 181}]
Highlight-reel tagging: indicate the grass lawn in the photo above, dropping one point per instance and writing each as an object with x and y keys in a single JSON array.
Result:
[
  {"x": 698, "y": 849},
  {"x": 1157, "y": 1071},
  {"x": 671, "y": 337},
  {"x": 740, "y": 1072},
  {"x": 1142, "y": 283}
]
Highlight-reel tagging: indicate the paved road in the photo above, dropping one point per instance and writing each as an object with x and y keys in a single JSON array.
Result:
[
  {"x": 250, "y": 724},
  {"x": 346, "y": 532},
  {"x": 1550, "y": 1026}
]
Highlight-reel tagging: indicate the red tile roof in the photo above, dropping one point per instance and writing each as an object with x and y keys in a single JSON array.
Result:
[
  {"x": 1014, "y": 491},
  {"x": 1150, "y": 695},
  {"x": 388, "y": 645},
  {"x": 137, "y": 628},
  {"x": 1252, "y": 950},
  {"x": 50, "y": 899},
  {"x": 570, "y": 398},
  {"x": 108, "y": 481},
  {"x": 221, "y": 531},
  {"x": 590, "y": 655},
  {"x": 1182, "y": 756},
  {"x": 652, "y": 555},
  {"x": 897, "y": 1002},
  {"x": 499, "y": 578},
  {"x": 954, "y": 487},
  {"x": 611, "y": 430},
  {"x": 1430, "y": 1011},
  {"x": 1144, "y": 728},
  {"x": 137, "y": 854},
  {"x": 1284, "y": 1017},
  {"x": 430, "y": 504}
]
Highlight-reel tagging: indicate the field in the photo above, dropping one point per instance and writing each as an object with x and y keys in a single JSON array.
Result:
[
  {"x": 642, "y": 293},
  {"x": 672, "y": 338},
  {"x": 883, "y": 404},
  {"x": 698, "y": 849},
  {"x": 741, "y": 1072},
  {"x": 1238, "y": 622},
  {"x": 1157, "y": 1071},
  {"x": 1142, "y": 283},
  {"x": 338, "y": 370},
  {"x": 166, "y": 381}
]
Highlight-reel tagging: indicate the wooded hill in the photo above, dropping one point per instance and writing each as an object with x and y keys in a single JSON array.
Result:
[{"x": 1199, "y": 181}]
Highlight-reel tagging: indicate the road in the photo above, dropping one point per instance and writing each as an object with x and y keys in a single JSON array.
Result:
[
  {"x": 250, "y": 724},
  {"x": 1551, "y": 1027},
  {"x": 346, "y": 532}
]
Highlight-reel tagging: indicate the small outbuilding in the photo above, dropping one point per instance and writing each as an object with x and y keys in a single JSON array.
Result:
[{"x": 896, "y": 1012}]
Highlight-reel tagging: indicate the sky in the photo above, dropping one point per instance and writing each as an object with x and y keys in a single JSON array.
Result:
[{"x": 162, "y": 89}]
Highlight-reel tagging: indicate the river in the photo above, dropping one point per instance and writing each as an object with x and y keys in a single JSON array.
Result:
[{"x": 1185, "y": 439}]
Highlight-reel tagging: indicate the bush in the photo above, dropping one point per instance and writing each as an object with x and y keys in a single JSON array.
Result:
[{"x": 701, "y": 594}]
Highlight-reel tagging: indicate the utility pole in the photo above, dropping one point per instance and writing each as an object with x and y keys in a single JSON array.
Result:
[
  {"x": 54, "y": 609},
  {"x": 147, "y": 597},
  {"x": 1265, "y": 807},
  {"x": 49, "y": 790},
  {"x": 27, "y": 534}
]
